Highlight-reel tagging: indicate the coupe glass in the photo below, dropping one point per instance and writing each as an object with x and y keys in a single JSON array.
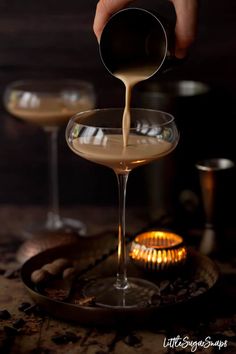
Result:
[
  {"x": 96, "y": 135},
  {"x": 49, "y": 104}
]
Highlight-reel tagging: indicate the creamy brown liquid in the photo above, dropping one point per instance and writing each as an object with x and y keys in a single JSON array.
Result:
[
  {"x": 126, "y": 151},
  {"x": 109, "y": 151},
  {"x": 49, "y": 111},
  {"x": 130, "y": 77}
]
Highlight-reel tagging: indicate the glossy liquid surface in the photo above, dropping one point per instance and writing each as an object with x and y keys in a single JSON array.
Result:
[
  {"x": 48, "y": 110},
  {"x": 109, "y": 150}
]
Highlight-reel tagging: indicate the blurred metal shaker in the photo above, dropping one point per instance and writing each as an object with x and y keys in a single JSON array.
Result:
[
  {"x": 212, "y": 174},
  {"x": 136, "y": 37}
]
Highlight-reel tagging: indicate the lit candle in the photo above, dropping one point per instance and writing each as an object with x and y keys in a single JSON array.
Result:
[{"x": 158, "y": 250}]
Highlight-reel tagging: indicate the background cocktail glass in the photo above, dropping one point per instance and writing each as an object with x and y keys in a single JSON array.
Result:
[
  {"x": 97, "y": 136},
  {"x": 49, "y": 104}
]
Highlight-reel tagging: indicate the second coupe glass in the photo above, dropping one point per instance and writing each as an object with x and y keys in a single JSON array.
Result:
[{"x": 50, "y": 104}]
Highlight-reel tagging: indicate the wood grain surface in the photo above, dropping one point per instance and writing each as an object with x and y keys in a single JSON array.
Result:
[{"x": 40, "y": 333}]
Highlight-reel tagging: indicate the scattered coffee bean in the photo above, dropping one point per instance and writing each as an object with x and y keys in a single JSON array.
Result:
[
  {"x": 164, "y": 285},
  {"x": 19, "y": 323},
  {"x": 72, "y": 337},
  {"x": 4, "y": 315},
  {"x": 198, "y": 292},
  {"x": 157, "y": 291},
  {"x": 192, "y": 286},
  {"x": 2, "y": 271},
  {"x": 66, "y": 338},
  {"x": 182, "y": 292},
  {"x": 30, "y": 309},
  {"x": 201, "y": 284},
  {"x": 10, "y": 331},
  {"x": 169, "y": 299},
  {"x": 133, "y": 340},
  {"x": 11, "y": 273},
  {"x": 23, "y": 306},
  {"x": 155, "y": 300},
  {"x": 60, "y": 339},
  {"x": 178, "y": 281}
]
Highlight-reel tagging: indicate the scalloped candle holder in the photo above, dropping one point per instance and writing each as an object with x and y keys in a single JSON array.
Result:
[{"x": 158, "y": 250}]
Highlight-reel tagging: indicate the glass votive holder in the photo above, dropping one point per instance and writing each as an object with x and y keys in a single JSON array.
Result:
[{"x": 158, "y": 250}]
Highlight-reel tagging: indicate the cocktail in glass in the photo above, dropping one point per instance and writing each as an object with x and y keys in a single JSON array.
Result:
[
  {"x": 49, "y": 104},
  {"x": 97, "y": 136}
]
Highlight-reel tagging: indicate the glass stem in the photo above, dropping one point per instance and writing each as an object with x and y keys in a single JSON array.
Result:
[
  {"x": 121, "y": 280},
  {"x": 53, "y": 217}
]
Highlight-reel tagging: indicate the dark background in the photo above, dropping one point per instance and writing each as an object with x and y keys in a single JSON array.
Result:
[{"x": 52, "y": 38}]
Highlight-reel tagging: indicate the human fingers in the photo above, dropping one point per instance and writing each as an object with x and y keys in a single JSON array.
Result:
[
  {"x": 186, "y": 25},
  {"x": 104, "y": 9}
]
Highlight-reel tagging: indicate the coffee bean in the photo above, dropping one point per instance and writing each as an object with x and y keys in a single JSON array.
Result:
[
  {"x": 155, "y": 300},
  {"x": 157, "y": 291},
  {"x": 30, "y": 309},
  {"x": 4, "y": 315},
  {"x": 2, "y": 271},
  {"x": 10, "y": 331},
  {"x": 59, "y": 339},
  {"x": 169, "y": 299},
  {"x": 198, "y": 292},
  {"x": 72, "y": 337},
  {"x": 201, "y": 284},
  {"x": 66, "y": 338},
  {"x": 11, "y": 273},
  {"x": 23, "y": 306},
  {"x": 133, "y": 340},
  {"x": 192, "y": 286},
  {"x": 19, "y": 323},
  {"x": 182, "y": 292},
  {"x": 164, "y": 285}
]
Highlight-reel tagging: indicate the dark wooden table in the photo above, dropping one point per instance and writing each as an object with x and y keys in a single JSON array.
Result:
[
  {"x": 214, "y": 315},
  {"x": 55, "y": 39}
]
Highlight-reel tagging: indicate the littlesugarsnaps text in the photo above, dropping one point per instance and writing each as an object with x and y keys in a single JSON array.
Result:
[{"x": 193, "y": 345}]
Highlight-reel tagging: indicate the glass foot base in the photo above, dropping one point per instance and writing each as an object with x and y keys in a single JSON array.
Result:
[
  {"x": 73, "y": 225},
  {"x": 63, "y": 225},
  {"x": 138, "y": 293},
  {"x": 38, "y": 237}
]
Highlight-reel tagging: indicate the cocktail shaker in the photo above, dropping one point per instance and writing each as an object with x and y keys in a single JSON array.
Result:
[{"x": 136, "y": 37}]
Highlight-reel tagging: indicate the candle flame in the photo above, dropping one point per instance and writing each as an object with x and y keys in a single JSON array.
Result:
[{"x": 158, "y": 250}]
